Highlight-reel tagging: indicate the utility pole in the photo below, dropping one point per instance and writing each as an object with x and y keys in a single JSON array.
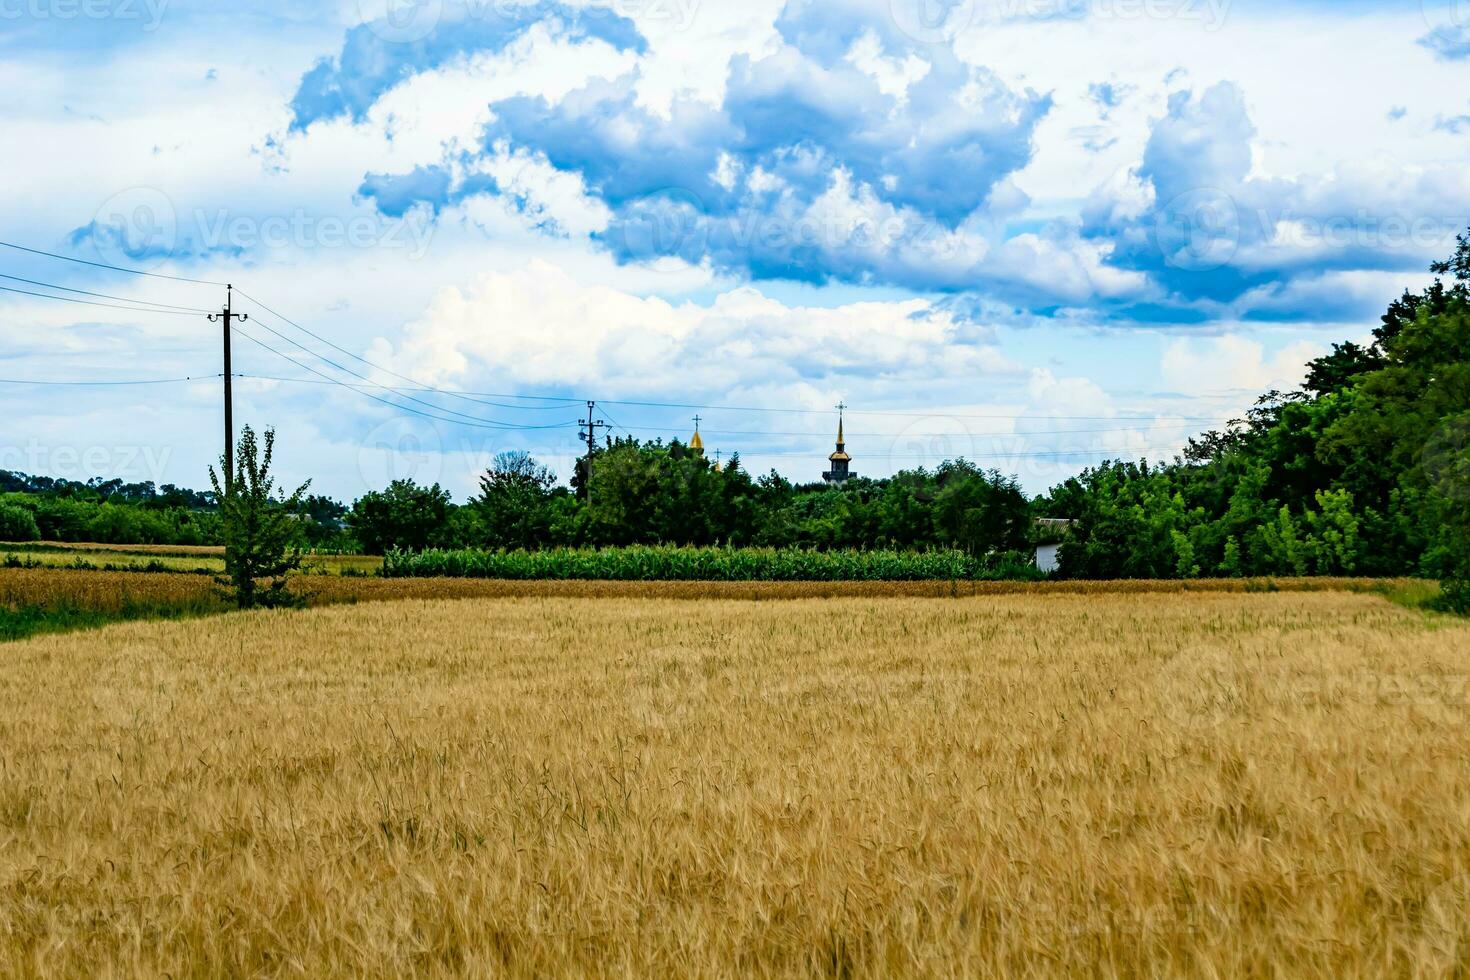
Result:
[
  {"x": 591, "y": 425},
  {"x": 226, "y": 315}
]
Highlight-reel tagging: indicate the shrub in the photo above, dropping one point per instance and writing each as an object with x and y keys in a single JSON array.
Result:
[
  {"x": 18, "y": 524},
  {"x": 260, "y": 531}
]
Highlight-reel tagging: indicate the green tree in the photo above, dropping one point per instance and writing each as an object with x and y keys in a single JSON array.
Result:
[
  {"x": 17, "y": 524},
  {"x": 405, "y": 516},
  {"x": 260, "y": 531},
  {"x": 513, "y": 504}
]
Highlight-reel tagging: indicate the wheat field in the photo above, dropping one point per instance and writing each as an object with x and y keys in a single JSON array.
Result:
[{"x": 1208, "y": 784}]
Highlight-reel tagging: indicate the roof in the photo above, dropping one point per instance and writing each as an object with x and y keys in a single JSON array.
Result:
[{"x": 697, "y": 443}]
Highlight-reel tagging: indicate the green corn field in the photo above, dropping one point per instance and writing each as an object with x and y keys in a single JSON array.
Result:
[{"x": 672, "y": 564}]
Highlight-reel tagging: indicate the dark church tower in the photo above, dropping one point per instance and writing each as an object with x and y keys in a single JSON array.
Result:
[{"x": 840, "y": 459}]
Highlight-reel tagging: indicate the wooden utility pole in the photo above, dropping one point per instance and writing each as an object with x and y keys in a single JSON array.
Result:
[
  {"x": 226, "y": 316},
  {"x": 592, "y": 425}
]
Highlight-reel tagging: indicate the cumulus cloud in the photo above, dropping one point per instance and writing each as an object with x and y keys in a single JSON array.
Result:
[
  {"x": 1232, "y": 361},
  {"x": 842, "y": 154},
  {"x": 550, "y": 330},
  {"x": 1213, "y": 233},
  {"x": 1450, "y": 42},
  {"x": 382, "y": 53},
  {"x": 843, "y": 148}
]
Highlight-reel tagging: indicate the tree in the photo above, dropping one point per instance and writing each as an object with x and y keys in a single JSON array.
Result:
[
  {"x": 512, "y": 506},
  {"x": 405, "y": 516},
  {"x": 260, "y": 532},
  {"x": 17, "y": 524},
  {"x": 979, "y": 511}
]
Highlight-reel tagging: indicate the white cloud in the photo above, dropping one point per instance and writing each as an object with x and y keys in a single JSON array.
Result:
[
  {"x": 1233, "y": 361},
  {"x": 541, "y": 326}
]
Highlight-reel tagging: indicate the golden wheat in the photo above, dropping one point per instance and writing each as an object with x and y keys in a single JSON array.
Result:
[
  {"x": 109, "y": 591},
  {"x": 1214, "y": 784}
]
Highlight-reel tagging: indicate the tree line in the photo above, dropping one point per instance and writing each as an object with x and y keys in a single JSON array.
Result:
[{"x": 1364, "y": 470}]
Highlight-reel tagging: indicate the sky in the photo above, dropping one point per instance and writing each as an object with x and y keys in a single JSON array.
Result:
[{"x": 1034, "y": 233}]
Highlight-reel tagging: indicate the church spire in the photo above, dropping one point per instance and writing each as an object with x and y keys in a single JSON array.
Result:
[
  {"x": 696, "y": 444},
  {"x": 840, "y": 459}
]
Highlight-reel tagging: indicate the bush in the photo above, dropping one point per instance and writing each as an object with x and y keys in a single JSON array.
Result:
[
  {"x": 18, "y": 524},
  {"x": 260, "y": 531},
  {"x": 1454, "y": 597},
  {"x": 671, "y": 564}
]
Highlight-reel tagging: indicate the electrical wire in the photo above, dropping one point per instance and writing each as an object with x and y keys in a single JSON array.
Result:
[
  {"x": 88, "y": 302},
  {"x": 754, "y": 432},
  {"x": 104, "y": 265},
  {"x": 86, "y": 292},
  {"x": 565, "y": 403},
  {"x": 475, "y": 395},
  {"x": 107, "y": 384},
  {"x": 999, "y": 457},
  {"x": 420, "y": 386},
  {"x": 475, "y": 419},
  {"x": 880, "y": 414},
  {"x": 498, "y": 426}
]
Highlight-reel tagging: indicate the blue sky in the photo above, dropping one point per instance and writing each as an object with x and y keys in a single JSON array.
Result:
[{"x": 1033, "y": 232}]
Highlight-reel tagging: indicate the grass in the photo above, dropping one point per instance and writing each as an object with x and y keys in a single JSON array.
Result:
[
  {"x": 200, "y": 560},
  {"x": 1110, "y": 783}
]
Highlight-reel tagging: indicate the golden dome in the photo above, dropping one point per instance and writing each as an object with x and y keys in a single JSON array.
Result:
[
  {"x": 697, "y": 443},
  {"x": 841, "y": 453}
]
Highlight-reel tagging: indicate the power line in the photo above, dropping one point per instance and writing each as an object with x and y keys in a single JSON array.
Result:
[
  {"x": 88, "y": 302},
  {"x": 499, "y": 426},
  {"x": 104, "y": 265},
  {"x": 470, "y": 395},
  {"x": 107, "y": 384},
  {"x": 915, "y": 435},
  {"x": 925, "y": 415},
  {"x": 630, "y": 430},
  {"x": 86, "y": 292},
  {"x": 420, "y": 386},
  {"x": 486, "y": 423},
  {"x": 1105, "y": 453},
  {"x": 568, "y": 402}
]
